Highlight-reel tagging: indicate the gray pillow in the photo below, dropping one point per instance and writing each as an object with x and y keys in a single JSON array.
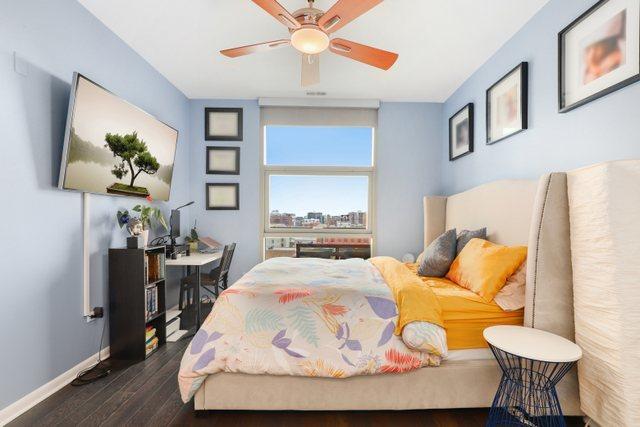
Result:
[
  {"x": 439, "y": 255},
  {"x": 466, "y": 235}
]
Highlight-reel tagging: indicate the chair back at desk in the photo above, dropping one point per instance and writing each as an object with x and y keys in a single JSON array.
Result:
[{"x": 222, "y": 272}]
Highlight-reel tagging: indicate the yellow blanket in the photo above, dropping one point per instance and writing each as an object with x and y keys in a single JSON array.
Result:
[{"x": 416, "y": 302}]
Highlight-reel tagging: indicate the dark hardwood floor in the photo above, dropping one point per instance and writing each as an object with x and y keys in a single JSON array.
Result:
[{"x": 147, "y": 394}]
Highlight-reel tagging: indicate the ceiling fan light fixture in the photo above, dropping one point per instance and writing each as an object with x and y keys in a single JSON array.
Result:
[{"x": 310, "y": 40}]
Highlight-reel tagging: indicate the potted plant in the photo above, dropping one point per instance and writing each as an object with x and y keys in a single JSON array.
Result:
[
  {"x": 193, "y": 239},
  {"x": 139, "y": 226}
]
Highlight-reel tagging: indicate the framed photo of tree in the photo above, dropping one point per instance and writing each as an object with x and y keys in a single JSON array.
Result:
[
  {"x": 223, "y": 124},
  {"x": 223, "y": 196},
  {"x": 113, "y": 147}
]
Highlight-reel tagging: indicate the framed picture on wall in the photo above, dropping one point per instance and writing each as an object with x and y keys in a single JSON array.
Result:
[
  {"x": 223, "y": 197},
  {"x": 599, "y": 53},
  {"x": 461, "y": 133},
  {"x": 507, "y": 102},
  {"x": 223, "y": 124},
  {"x": 223, "y": 160}
]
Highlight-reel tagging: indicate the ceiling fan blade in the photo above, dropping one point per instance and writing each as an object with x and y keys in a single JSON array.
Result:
[
  {"x": 343, "y": 12},
  {"x": 253, "y": 48},
  {"x": 310, "y": 69},
  {"x": 369, "y": 55},
  {"x": 275, "y": 9}
]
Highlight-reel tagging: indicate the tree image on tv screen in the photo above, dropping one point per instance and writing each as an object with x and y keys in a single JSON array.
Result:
[{"x": 135, "y": 159}]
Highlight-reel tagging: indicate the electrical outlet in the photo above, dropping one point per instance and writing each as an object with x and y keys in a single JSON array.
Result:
[{"x": 96, "y": 313}]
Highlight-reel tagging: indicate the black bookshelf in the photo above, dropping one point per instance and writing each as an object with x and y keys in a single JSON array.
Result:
[{"x": 133, "y": 275}]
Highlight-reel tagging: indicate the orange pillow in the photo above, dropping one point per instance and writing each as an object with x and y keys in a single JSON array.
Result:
[{"x": 484, "y": 267}]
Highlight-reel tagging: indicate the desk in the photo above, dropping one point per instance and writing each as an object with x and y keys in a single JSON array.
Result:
[{"x": 197, "y": 260}]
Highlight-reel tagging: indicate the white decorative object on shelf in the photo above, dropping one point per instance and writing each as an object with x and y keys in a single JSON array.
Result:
[{"x": 145, "y": 238}]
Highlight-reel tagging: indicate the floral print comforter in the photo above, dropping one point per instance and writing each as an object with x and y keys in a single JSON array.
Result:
[{"x": 304, "y": 317}]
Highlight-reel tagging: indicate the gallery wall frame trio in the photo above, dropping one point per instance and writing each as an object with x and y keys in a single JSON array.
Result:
[{"x": 222, "y": 124}]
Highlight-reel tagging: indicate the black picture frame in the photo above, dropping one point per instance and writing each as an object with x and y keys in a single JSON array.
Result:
[
  {"x": 471, "y": 131},
  {"x": 208, "y": 136},
  {"x": 523, "y": 68},
  {"x": 562, "y": 106},
  {"x": 222, "y": 208},
  {"x": 210, "y": 169}
]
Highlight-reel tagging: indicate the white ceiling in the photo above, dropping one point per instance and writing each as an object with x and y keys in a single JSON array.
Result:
[{"x": 440, "y": 42}]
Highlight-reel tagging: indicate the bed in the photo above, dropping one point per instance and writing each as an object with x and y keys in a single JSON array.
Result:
[{"x": 515, "y": 213}]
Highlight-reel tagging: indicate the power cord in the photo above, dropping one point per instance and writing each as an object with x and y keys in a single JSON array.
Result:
[
  {"x": 95, "y": 372},
  {"x": 160, "y": 240}
]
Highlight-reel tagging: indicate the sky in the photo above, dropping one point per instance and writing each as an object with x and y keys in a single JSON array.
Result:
[{"x": 319, "y": 146}]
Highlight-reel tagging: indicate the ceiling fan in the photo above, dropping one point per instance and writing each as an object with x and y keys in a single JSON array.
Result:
[{"x": 310, "y": 29}]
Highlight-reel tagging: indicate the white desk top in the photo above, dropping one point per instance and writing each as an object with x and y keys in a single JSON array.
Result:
[
  {"x": 532, "y": 344},
  {"x": 195, "y": 259}
]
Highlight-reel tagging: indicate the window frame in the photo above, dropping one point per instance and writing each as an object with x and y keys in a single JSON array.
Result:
[{"x": 266, "y": 171}]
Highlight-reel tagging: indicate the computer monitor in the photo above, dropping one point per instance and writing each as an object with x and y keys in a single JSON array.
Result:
[{"x": 174, "y": 224}]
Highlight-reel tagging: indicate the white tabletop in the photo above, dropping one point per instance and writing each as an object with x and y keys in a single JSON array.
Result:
[
  {"x": 532, "y": 344},
  {"x": 195, "y": 259}
]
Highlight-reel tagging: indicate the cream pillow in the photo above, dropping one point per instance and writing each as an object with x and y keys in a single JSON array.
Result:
[{"x": 512, "y": 296}]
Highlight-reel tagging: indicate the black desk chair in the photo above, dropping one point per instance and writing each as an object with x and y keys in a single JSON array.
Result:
[{"x": 212, "y": 281}]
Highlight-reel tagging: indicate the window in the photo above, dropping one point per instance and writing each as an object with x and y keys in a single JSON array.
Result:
[{"x": 318, "y": 178}]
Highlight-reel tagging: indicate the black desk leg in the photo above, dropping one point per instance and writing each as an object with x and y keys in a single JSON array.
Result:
[{"x": 197, "y": 294}]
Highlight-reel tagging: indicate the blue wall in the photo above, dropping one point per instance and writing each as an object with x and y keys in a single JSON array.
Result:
[
  {"x": 605, "y": 129},
  {"x": 43, "y": 333},
  {"x": 408, "y": 157}
]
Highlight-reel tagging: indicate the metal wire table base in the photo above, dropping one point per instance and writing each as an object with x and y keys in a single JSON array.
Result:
[{"x": 527, "y": 394}]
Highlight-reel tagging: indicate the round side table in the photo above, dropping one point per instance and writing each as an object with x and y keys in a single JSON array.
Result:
[{"x": 532, "y": 362}]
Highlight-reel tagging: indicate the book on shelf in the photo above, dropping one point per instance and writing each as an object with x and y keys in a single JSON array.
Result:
[
  {"x": 151, "y": 301},
  {"x": 150, "y": 333},
  {"x": 156, "y": 266},
  {"x": 146, "y": 269},
  {"x": 151, "y": 345}
]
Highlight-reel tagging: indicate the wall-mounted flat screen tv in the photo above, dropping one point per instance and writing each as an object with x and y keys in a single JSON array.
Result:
[{"x": 113, "y": 147}]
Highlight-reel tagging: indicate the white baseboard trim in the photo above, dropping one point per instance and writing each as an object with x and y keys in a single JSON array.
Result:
[{"x": 27, "y": 402}]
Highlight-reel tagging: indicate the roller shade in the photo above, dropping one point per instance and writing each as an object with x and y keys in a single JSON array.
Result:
[{"x": 287, "y": 116}]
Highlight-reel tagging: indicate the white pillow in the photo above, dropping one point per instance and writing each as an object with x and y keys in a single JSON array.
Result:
[{"x": 512, "y": 295}]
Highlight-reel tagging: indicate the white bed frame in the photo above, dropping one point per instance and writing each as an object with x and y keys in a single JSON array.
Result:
[{"x": 514, "y": 212}]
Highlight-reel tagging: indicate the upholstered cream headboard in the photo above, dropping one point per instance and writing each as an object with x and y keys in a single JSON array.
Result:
[
  {"x": 504, "y": 207},
  {"x": 520, "y": 212}
]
